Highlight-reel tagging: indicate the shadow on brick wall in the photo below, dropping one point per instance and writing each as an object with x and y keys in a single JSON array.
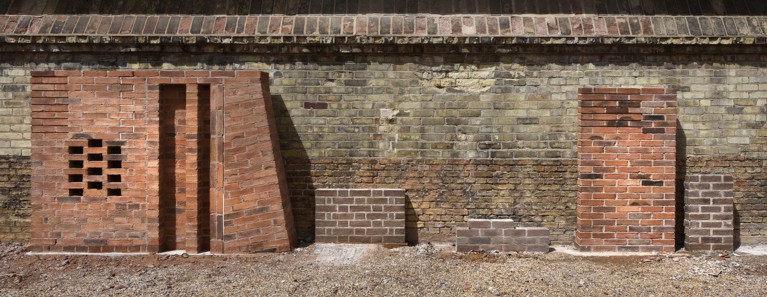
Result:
[
  {"x": 297, "y": 172},
  {"x": 411, "y": 222},
  {"x": 736, "y": 228},
  {"x": 681, "y": 174}
]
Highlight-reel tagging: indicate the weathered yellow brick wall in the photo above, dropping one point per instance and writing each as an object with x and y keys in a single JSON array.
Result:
[{"x": 484, "y": 134}]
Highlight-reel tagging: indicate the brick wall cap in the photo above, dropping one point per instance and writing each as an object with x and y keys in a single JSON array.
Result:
[{"x": 407, "y": 29}]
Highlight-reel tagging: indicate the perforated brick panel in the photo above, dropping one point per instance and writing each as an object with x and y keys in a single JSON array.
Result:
[
  {"x": 360, "y": 216},
  {"x": 146, "y": 161},
  {"x": 708, "y": 212},
  {"x": 626, "y": 167},
  {"x": 501, "y": 235}
]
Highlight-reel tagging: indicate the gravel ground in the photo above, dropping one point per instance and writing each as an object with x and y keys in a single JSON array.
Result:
[{"x": 424, "y": 270}]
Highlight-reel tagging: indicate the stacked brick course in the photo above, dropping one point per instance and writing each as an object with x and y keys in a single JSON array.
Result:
[
  {"x": 626, "y": 169},
  {"x": 360, "y": 216},
  {"x": 709, "y": 212},
  {"x": 501, "y": 235},
  {"x": 103, "y": 182},
  {"x": 376, "y": 29}
]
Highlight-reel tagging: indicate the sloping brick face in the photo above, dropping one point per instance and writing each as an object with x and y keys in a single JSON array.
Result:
[
  {"x": 627, "y": 169},
  {"x": 121, "y": 162}
]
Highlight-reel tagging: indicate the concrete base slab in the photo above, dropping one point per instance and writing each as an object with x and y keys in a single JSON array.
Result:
[
  {"x": 342, "y": 254},
  {"x": 754, "y": 250},
  {"x": 85, "y": 254},
  {"x": 570, "y": 250}
]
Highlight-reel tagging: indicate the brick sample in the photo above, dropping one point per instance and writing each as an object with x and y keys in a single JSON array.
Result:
[
  {"x": 626, "y": 169},
  {"x": 708, "y": 212},
  {"x": 360, "y": 216},
  {"x": 501, "y": 235},
  {"x": 14, "y": 199},
  {"x": 148, "y": 161}
]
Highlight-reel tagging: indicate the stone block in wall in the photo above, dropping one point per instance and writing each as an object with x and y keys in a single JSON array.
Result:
[
  {"x": 360, "y": 216},
  {"x": 709, "y": 212},
  {"x": 501, "y": 235}
]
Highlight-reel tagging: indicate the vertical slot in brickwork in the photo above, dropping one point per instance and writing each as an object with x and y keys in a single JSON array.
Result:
[
  {"x": 626, "y": 166},
  {"x": 172, "y": 165},
  {"x": 203, "y": 168}
]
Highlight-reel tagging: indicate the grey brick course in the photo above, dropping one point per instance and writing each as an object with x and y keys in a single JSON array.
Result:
[{"x": 501, "y": 235}]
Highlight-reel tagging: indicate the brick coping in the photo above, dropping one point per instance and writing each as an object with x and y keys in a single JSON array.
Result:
[{"x": 383, "y": 29}]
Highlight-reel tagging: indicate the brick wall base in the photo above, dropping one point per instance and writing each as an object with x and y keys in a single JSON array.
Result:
[{"x": 501, "y": 235}]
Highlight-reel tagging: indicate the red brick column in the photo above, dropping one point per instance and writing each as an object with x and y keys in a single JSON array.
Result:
[{"x": 626, "y": 156}]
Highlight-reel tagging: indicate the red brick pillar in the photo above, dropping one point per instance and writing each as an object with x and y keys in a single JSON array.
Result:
[{"x": 626, "y": 156}]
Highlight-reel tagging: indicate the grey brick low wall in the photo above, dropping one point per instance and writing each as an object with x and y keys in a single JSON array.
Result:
[
  {"x": 360, "y": 216},
  {"x": 501, "y": 235},
  {"x": 709, "y": 212}
]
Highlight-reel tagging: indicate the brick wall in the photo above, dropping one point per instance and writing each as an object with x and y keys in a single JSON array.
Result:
[
  {"x": 501, "y": 235},
  {"x": 14, "y": 198},
  {"x": 121, "y": 163},
  {"x": 535, "y": 193},
  {"x": 485, "y": 119},
  {"x": 360, "y": 216},
  {"x": 626, "y": 169},
  {"x": 749, "y": 193},
  {"x": 708, "y": 215}
]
